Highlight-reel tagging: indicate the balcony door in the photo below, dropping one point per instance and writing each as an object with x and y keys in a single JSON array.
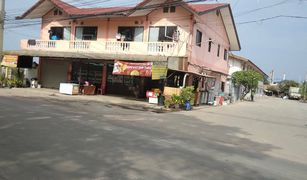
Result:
[
  {"x": 162, "y": 33},
  {"x": 131, "y": 33},
  {"x": 59, "y": 33}
]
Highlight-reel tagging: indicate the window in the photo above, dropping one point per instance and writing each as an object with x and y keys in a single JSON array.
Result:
[
  {"x": 86, "y": 33},
  {"x": 173, "y": 9},
  {"x": 162, "y": 33},
  {"x": 131, "y": 33},
  {"x": 218, "y": 50},
  {"x": 59, "y": 33},
  {"x": 225, "y": 54},
  {"x": 167, "y": 9},
  {"x": 209, "y": 45},
  {"x": 199, "y": 36},
  {"x": 57, "y": 12}
]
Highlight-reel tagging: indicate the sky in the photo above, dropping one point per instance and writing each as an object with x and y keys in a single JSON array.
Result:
[{"x": 278, "y": 44}]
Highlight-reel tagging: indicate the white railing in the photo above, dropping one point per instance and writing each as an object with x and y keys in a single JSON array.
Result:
[
  {"x": 115, "y": 47},
  {"x": 162, "y": 48},
  {"x": 80, "y": 45},
  {"x": 41, "y": 44},
  {"x": 118, "y": 46}
]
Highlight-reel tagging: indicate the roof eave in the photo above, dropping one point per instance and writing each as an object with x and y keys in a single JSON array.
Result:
[
  {"x": 29, "y": 10},
  {"x": 232, "y": 19},
  {"x": 213, "y": 9},
  {"x": 234, "y": 25}
]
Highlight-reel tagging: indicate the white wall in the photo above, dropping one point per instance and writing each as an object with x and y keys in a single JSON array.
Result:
[{"x": 234, "y": 66}]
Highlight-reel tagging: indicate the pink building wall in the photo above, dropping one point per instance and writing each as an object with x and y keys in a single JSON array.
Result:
[
  {"x": 108, "y": 27},
  {"x": 211, "y": 25}
]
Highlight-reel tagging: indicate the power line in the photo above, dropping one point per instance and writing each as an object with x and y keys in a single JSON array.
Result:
[
  {"x": 273, "y": 17},
  {"x": 261, "y": 8}
]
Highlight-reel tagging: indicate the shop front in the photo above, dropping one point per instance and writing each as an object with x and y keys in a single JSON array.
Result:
[
  {"x": 126, "y": 78},
  {"x": 135, "y": 78}
]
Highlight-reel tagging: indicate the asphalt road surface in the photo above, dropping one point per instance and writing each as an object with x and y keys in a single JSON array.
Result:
[{"x": 44, "y": 139}]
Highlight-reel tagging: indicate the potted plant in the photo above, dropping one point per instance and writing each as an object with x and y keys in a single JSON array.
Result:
[
  {"x": 177, "y": 101},
  {"x": 187, "y": 96},
  {"x": 167, "y": 103}
]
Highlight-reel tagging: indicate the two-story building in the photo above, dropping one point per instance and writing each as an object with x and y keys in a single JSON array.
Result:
[
  {"x": 128, "y": 50},
  {"x": 239, "y": 63}
]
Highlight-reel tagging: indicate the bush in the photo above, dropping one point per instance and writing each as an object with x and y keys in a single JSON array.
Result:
[
  {"x": 3, "y": 80},
  {"x": 176, "y": 99},
  {"x": 15, "y": 81},
  {"x": 186, "y": 95}
]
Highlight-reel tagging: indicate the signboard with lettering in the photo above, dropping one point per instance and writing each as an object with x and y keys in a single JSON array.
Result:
[
  {"x": 9, "y": 61},
  {"x": 159, "y": 70},
  {"x": 132, "y": 68}
]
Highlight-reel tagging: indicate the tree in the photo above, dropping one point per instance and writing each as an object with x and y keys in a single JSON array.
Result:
[
  {"x": 249, "y": 80},
  {"x": 285, "y": 85}
]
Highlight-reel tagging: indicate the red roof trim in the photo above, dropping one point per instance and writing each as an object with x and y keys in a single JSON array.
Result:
[
  {"x": 74, "y": 11},
  {"x": 201, "y": 8}
]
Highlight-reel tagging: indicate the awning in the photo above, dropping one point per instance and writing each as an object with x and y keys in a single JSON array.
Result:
[
  {"x": 202, "y": 75},
  {"x": 86, "y": 55}
]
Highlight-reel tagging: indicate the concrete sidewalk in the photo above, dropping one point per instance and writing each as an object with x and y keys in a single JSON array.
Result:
[{"x": 125, "y": 102}]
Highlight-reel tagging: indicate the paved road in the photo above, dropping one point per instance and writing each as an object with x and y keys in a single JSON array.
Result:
[{"x": 48, "y": 139}]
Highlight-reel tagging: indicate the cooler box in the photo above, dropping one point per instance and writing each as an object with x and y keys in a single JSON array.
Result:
[
  {"x": 69, "y": 88},
  {"x": 152, "y": 97}
]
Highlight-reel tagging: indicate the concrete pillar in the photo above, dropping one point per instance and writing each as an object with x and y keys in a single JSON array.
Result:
[
  {"x": 2, "y": 15},
  {"x": 104, "y": 80}
]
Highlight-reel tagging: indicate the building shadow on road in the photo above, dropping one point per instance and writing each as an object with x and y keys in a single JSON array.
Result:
[{"x": 42, "y": 140}]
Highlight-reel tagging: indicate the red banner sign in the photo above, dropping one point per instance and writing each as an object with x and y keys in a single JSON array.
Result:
[{"x": 132, "y": 69}]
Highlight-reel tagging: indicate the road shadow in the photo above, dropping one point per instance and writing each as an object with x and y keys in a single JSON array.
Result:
[{"x": 47, "y": 140}]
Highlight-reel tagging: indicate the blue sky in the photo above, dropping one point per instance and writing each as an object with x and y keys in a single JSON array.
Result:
[{"x": 278, "y": 44}]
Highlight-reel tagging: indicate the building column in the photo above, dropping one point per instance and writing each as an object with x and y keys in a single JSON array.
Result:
[
  {"x": 40, "y": 70},
  {"x": 104, "y": 79},
  {"x": 69, "y": 72},
  {"x": 146, "y": 30},
  {"x": 73, "y": 30}
]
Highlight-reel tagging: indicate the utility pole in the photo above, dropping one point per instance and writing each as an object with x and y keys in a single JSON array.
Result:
[
  {"x": 272, "y": 74},
  {"x": 2, "y": 17}
]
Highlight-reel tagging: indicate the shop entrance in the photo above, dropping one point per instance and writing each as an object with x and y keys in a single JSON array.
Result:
[
  {"x": 133, "y": 86},
  {"x": 90, "y": 72}
]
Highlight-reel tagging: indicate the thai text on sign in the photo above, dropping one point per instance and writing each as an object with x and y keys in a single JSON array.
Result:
[{"x": 132, "y": 69}]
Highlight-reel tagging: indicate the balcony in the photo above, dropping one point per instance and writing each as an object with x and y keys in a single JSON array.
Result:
[{"x": 172, "y": 49}]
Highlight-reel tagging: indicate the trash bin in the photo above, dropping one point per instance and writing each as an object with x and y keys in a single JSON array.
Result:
[{"x": 161, "y": 99}]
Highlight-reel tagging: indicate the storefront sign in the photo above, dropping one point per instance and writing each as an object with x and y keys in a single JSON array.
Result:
[
  {"x": 159, "y": 70},
  {"x": 132, "y": 69},
  {"x": 9, "y": 61}
]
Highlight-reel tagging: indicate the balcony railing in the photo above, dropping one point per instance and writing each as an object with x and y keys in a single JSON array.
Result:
[{"x": 112, "y": 47}]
